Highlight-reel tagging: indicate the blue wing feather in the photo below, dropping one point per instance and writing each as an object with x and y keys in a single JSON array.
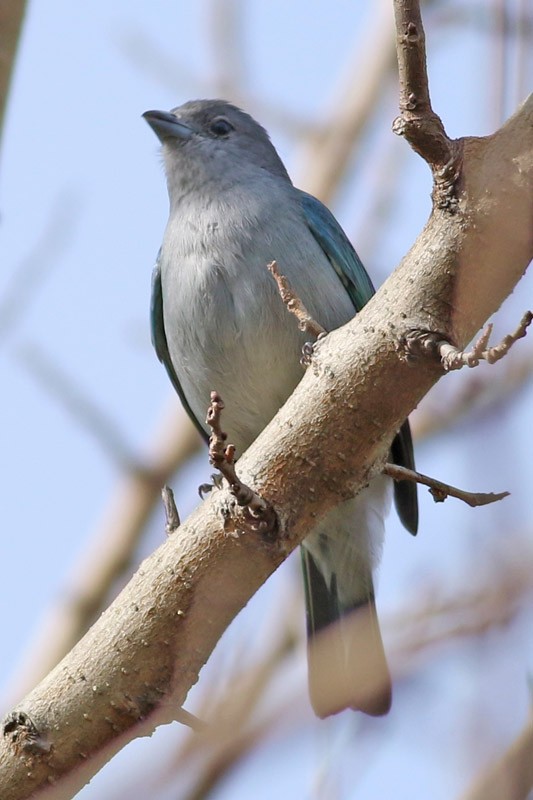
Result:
[
  {"x": 339, "y": 250},
  {"x": 354, "y": 277},
  {"x": 159, "y": 341}
]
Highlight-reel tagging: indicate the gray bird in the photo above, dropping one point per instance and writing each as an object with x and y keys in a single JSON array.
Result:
[{"x": 218, "y": 324}]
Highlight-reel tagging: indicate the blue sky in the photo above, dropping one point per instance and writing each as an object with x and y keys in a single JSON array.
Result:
[{"x": 83, "y": 201}]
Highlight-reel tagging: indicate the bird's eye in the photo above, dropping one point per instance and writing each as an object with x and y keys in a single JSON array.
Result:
[{"x": 221, "y": 126}]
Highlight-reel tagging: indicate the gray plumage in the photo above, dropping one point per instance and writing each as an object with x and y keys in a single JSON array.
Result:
[{"x": 218, "y": 323}]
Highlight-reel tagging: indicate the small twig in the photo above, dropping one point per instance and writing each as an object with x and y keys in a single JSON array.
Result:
[
  {"x": 440, "y": 491},
  {"x": 171, "y": 512},
  {"x": 186, "y": 718},
  {"x": 453, "y": 358},
  {"x": 417, "y": 343},
  {"x": 418, "y": 123},
  {"x": 260, "y": 516},
  {"x": 306, "y": 322}
]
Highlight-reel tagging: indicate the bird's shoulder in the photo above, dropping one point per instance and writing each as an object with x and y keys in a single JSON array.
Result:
[{"x": 338, "y": 249}]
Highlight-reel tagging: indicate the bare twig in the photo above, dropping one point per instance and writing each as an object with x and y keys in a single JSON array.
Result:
[
  {"x": 171, "y": 512},
  {"x": 440, "y": 491},
  {"x": 454, "y": 358},
  {"x": 306, "y": 322},
  {"x": 418, "y": 123},
  {"x": 259, "y": 516},
  {"x": 225, "y": 29}
]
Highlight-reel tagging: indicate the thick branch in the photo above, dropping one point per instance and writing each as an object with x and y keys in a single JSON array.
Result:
[{"x": 134, "y": 668}]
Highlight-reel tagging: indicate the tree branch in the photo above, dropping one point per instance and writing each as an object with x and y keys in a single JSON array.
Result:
[
  {"x": 418, "y": 123},
  {"x": 133, "y": 669},
  {"x": 439, "y": 490}
]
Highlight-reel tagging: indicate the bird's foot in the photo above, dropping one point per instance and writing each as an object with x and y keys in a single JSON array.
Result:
[
  {"x": 205, "y": 488},
  {"x": 308, "y": 350}
]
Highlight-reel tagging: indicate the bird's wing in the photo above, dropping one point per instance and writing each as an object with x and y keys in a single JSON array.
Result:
[
  {"x": 338, "y": 249},
  {"x": 349, "y": 267},
  {"x": 159, "y": 341}
]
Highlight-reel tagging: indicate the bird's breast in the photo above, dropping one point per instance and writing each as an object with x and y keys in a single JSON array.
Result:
[{"x": 228, "y": 331}]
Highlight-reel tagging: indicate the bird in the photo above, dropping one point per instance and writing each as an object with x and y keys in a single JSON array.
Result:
[{"x": 218, "y": 323}]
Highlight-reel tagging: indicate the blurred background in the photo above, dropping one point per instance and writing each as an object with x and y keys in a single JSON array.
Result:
[{"x": 90, "y": 428}]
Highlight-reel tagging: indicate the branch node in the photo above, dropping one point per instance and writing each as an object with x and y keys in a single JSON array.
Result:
[
  {"x": 25, "y": 734},
  {"x": 417, "y": 344},
  {"x": 171, "y": 512}
]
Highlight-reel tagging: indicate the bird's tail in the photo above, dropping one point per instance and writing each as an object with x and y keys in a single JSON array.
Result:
[{"x": 346, "y": 661}]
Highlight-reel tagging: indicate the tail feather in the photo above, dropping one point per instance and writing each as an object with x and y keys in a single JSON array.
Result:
[{"x": 346, "y": 661}]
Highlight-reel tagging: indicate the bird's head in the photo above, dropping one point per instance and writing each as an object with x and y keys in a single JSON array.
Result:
[{"x": 207, "y": 140}]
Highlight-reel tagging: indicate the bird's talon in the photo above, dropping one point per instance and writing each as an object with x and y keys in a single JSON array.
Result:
[
  {"x": 308, "y": 350},
  {"x": 204, "y": 489}
]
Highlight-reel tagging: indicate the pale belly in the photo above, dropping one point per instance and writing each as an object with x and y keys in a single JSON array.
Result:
[{"x": 246, "y": 349}]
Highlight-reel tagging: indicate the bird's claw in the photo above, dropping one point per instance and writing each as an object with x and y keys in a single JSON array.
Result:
[{"x": 216, "y": 483}]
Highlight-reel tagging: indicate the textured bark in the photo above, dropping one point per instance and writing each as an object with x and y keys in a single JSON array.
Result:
[{"x": 134, "y": 668}]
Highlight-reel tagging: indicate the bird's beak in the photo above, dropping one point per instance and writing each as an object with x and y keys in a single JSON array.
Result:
[{"x": 167, "y": 126}]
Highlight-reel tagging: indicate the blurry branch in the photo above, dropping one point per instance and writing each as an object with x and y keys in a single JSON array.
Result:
[
  {"x": 501, "y": 46},
  {"x": 28, "y": 277},
  {"x": 493, "y": 603},
  {"x": 236, "y": 725},
  {"x": 511, "y": 776},
  {"x": 481, "y": 17},
  {"x": 325, "y": 155},
  {"x": 479, "y": 393},
  {"x": 388, "y": 162},
  {"x": 177, "y": 77},
  {"x": 525, "y": 37},
  {"x": 225, "y": 29},
  {"x": 11, "y": 16},
  {"x": 83, "y": 410},
  {"x": 134, "y": 667},
  {"x": 110, "y": 550},
  {"x": 238, "y": 722}
]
